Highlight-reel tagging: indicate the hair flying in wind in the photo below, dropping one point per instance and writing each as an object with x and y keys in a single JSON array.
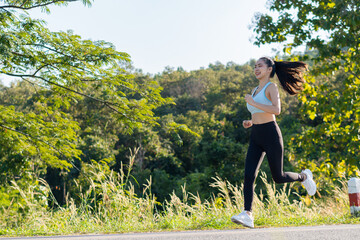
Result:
[{"x": 290, "y": 74}]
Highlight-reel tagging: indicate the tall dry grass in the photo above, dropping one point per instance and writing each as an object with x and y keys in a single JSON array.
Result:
[{"x": 110, "y": 205}]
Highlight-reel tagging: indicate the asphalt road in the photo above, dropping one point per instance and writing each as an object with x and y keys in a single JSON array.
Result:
[{"x": 329, "y": 232}]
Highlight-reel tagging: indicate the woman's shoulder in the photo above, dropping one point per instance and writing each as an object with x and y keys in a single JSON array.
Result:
[
  {"x": 272, "y": 89},
  {"x": 272, "y": 86}
]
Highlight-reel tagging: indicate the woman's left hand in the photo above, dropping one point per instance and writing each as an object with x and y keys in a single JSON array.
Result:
[{"x": 249, "y": 99}]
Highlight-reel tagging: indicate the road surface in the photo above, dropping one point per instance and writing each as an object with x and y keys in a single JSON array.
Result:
[{"x": 329, "y": 232}]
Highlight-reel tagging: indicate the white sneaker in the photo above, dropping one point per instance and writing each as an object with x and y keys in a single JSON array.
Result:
[
  {"x": 244, "y": 219},
  {"x": 309, "y": 183}
]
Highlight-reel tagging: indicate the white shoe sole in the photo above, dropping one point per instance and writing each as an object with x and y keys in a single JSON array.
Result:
[{"x": 234, "y": 220}]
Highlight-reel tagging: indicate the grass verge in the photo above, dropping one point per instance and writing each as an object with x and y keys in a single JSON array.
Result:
[{"x": 110, "y": 205}]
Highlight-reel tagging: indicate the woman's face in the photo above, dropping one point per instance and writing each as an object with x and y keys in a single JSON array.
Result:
[{"x": 261, "y": 70}]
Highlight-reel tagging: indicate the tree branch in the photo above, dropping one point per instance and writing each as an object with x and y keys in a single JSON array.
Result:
[
  {"x": 40, "y": 68},
  {"x": 24, "y": 3},
  {"x": 40, "y": 140},
  {"x": 35, "y": 6},
  {"x": 108, "y": 104},
  {"x": 33, "y": 85},
  {"x": 69, "y": 56},
  {"x": 31, "y": 137},
  {"x": 53, "y": 50}
]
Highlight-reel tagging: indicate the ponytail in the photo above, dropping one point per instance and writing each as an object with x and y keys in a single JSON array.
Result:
[{"x": 289, "y": 74}]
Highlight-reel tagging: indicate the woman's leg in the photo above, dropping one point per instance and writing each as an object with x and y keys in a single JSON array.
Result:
[
  {"x": 254, "y": 157},
  {"x": 274, "y": 149}
]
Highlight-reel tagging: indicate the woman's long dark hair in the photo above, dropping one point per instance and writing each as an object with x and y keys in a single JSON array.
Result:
[{"x": 288, "y": 73}]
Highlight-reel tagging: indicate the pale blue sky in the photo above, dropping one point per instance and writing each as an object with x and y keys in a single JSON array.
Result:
[{"x": 160, "y": 33}]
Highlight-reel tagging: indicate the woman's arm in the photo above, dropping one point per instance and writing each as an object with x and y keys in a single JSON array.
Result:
[{"x": 275, "y": 107}]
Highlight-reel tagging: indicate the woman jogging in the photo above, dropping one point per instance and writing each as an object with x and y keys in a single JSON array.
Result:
[{"x": 266, "y": 138}]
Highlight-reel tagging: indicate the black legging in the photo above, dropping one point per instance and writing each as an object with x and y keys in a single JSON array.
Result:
[{"x": 265, "y": 138}]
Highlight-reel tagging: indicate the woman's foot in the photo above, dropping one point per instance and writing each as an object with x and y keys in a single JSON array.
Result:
[
  {"x": 303, "y": 176},
  {"x": 245, "y": 218},
  {"x": 308, "y": 182}
]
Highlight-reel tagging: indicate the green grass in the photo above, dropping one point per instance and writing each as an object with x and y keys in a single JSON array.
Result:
[{"x": 116, "y": 209}]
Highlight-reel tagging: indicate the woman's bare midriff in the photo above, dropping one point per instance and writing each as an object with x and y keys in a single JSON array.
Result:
[{"x": 260, "y": 118}]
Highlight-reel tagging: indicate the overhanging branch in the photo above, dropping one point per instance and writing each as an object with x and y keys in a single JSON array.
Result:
[
  {"x": 106, "y": 103},
  {"x": 31, "y": 137},
  {"x": 35, "y": 6}
]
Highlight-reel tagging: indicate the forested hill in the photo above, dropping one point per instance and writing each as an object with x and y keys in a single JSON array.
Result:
[{"x": 209, "y": 101}]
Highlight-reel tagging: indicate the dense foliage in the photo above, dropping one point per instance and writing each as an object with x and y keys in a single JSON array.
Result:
[
  {"x": 330, "y": 141},
  {"x": 210, "y": 101}
]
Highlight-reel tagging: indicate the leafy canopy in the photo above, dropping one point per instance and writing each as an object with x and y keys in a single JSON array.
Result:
[
  {"x": 62, "y": 68},
  {"x": 331, "y": 29}
]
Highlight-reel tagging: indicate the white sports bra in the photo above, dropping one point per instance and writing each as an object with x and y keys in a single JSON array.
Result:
[{"x": 259, "y": 98}]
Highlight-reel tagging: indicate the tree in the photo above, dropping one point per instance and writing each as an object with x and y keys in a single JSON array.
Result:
[
  {"x": 62, "y": 68},
  {"x": 330, "y": 142}
]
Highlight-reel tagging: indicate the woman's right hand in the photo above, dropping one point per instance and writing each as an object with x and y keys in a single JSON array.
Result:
[{"x": 247, "y": 123}]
